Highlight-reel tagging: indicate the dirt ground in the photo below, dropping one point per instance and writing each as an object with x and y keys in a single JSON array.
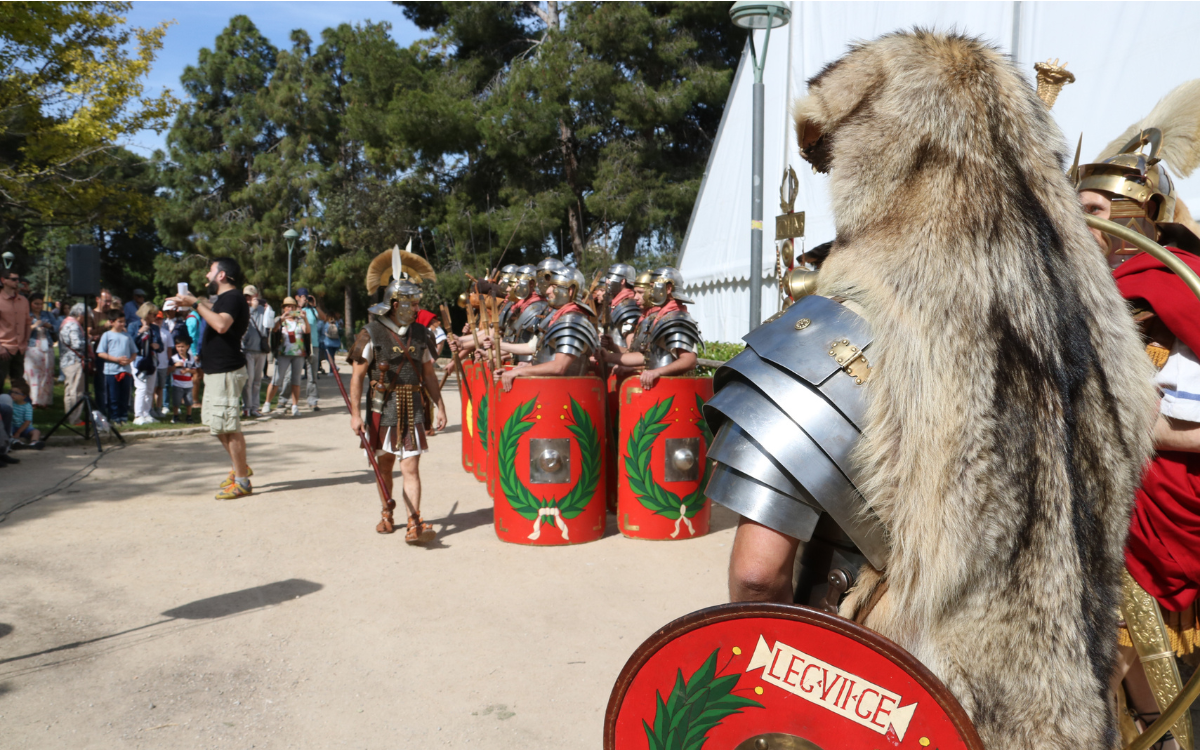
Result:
[{"x": 136, "y": 610}]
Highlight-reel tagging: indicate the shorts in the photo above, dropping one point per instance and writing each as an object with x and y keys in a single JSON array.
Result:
[
  {"x": 222, "y": 407},
  {"x": 27, "y": 433},
  {"x": 181, "y": 395}
]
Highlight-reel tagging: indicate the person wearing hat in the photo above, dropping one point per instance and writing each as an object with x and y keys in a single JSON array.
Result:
[
  {"x": 307, "y": 304},
  {"x": 292, "y": 327},
  {"x": 255, "y": 346},
  {"x": 132, "y": 321}
]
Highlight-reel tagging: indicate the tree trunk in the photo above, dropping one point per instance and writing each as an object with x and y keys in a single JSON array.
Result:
[
  {"x": 566, "y": 145},
  {"x": 347, "y": 331}
]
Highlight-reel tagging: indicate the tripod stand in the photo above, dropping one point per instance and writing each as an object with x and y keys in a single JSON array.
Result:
[{"x": 85, "y": 401}]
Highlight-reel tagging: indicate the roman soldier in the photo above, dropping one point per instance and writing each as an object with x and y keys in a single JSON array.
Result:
[
  {"x": 505, "y": 282},
  {"x": 392, "y": 357},
  {"x": 667, "y": 338},
  {"x": 566, "y": 338},
  {"x": 1162, "y": 555},
  {"x": 621, "y": 310}
]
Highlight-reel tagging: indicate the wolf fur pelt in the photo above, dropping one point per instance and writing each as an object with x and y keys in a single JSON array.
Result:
[{"x": 1011, "y": 402}]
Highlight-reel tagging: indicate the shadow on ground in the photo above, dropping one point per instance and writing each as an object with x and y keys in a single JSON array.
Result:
[{"x": 224, "y": 605}]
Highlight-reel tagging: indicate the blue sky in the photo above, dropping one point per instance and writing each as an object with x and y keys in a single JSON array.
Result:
[{"x": 198, "y": 24}]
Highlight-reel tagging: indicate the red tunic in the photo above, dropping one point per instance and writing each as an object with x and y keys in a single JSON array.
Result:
[{"x": 1163, "y": 550}]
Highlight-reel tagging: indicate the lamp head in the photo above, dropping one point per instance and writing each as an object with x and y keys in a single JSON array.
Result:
[
  {"x": 760, "y": 14},
  {"x": 8, "y": 259}
]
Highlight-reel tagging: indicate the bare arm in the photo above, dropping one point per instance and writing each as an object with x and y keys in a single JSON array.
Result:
[
  {"x": 557, "y": 366},
  {"x": 429, "y": 377},
  {"x": 219, "y": 322},
  {"x": 1176, "y": 435},
  {"x": 760, "y": 565},
  {"x": 511, "y": 348},
  {"x": 358, "y": 373}
]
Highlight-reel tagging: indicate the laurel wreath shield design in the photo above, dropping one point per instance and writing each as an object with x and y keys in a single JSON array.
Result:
[
  {"x": 694, "y": 707},
  {"x": 548, "y": 510},
  {"x": 653, "y": 496}
]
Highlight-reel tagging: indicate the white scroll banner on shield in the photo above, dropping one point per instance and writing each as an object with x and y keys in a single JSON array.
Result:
[{"x": 836, "y": 690}]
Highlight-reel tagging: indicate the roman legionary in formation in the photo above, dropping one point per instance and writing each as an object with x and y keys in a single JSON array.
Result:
[
  {"x": 566, "y": 338},
  {"x": 1162, "y": 555},
  {"x": 622, "y": 311},
  {"x": 526, "y": 313},
  {"x": 667, "y": 338},
  {"x": 392, "y": 357}
]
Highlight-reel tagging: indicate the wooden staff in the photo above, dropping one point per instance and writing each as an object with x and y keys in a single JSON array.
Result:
[
  {"x": 496, "y": 332},
  {"x": 462, "y": 376},
  {"x": 388, "y": 523}
]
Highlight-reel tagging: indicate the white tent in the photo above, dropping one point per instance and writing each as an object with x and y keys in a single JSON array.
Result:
[{"x": 1125, "y": 57}]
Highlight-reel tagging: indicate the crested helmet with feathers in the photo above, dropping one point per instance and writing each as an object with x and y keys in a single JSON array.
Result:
[
  {"x": 404, "y": 268},
  {"x": 1142, "y": 191}
]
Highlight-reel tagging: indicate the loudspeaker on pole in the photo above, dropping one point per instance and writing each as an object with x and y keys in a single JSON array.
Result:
[{"x": 83, "y": 270}]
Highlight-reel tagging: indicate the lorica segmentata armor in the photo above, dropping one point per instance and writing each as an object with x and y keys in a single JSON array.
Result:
[
  {"x": 787, "y": 413},
  {"x": 572, "y": 333}
]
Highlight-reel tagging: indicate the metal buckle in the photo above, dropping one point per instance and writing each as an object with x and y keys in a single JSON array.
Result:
[{"x": 851, "y": 359}]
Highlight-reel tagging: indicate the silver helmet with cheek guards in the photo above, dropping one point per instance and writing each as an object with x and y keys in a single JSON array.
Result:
[
  {"x": 524, "y": 282},
  {"x": 547, "y": 264},
  {"x": 617, "y": 276},
  {"x": 404, "y": 297},
  {"x": 666, "y": 283}
]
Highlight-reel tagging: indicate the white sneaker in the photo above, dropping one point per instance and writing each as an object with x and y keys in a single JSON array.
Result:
[
  {"x": 142, "y": 420},
  {"x": 295, "y": 410},
  {"x": 266, "y": 409}
]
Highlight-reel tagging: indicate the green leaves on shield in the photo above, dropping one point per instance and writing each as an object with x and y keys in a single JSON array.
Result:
[
  {"x": 653, "y": 496},
  {"x": 694, "y": 707},
  {"x": 519, "y": 497},
  {"x": 481, "y": 421}
]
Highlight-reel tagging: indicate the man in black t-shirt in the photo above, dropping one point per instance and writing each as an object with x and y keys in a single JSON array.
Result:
[{"x": 224, "y": 368}]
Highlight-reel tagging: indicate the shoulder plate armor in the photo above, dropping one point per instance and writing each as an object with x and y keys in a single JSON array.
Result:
[
  {"x": 787, "y": 413},
  {"x": 623, "y": 317},
  {"x": 572, "y": 334},
  {"x": 526, "y": 326},
  {"x": 674, "y": 330}
]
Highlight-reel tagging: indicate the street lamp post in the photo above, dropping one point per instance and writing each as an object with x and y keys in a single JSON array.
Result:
[
  {"x": 751, "y": 15},
  {"x": 291, "y": 236}
]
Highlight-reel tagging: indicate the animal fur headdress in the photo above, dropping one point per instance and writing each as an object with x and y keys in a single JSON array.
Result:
[{"x": 1010, "y": 400}]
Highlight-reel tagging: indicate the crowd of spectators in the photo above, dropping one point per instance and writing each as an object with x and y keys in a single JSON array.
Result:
[{"x": 143, "y": 359}]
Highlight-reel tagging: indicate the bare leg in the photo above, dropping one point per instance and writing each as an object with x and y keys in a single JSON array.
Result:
[
  {"x": 1138, "y": 694},
  {"x": 760, "y": 565},
  {"x": 235, "y": 445},
  {"x": 271, "y": 389},
  {"x": 296, "y": 395},
  {"x": 410, "y": 471},
  {"x": 385, "y": 461}
]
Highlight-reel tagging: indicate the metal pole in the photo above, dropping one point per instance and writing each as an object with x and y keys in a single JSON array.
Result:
[
  {"x": 756, "y": 207},
  {"x": 290, "y": 268}
]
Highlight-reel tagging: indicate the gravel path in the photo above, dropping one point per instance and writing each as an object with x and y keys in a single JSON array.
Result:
[{"x": 137, "y": 611}]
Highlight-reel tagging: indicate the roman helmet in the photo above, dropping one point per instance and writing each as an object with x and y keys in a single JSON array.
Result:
[
  {"x": 547, "y": 264},
  {"x": 404, "y": 266},
  {"x": 1141, "y": 190},
  {"x": 568, "y": 285},
  {"x": 665, "y": 283},
  {"x": 506, "y": 275},
  {"x": 618, "y": 275},
  {"x": 523, "y": 282}
]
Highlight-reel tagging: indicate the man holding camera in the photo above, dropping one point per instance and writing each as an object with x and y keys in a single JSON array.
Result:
[{"x": 224, "y": 368}]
